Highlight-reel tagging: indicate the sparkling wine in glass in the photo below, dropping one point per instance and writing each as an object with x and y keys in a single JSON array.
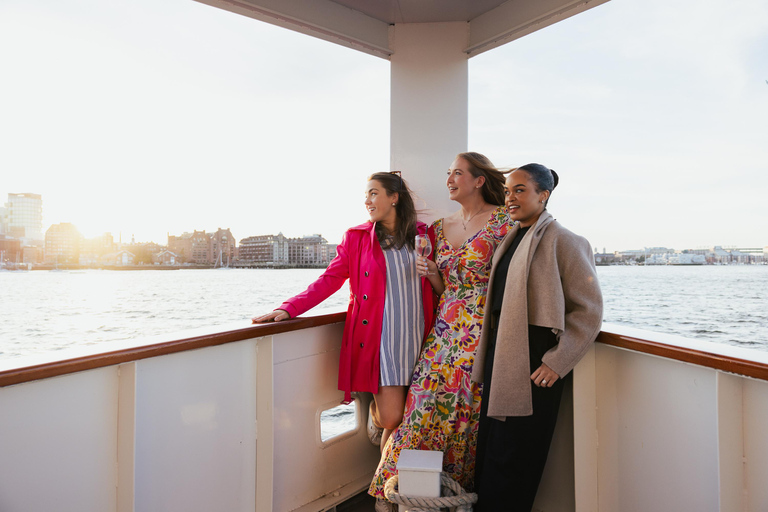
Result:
[{"x": 423, "y": 246}]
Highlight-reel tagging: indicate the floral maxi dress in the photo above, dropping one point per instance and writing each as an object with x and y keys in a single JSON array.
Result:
[{"x": 443, "y": 406}]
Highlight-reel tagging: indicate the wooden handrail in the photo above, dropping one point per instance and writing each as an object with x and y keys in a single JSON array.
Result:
[
  {"x": 720, "y": 362},
  {"x": 63, "y": 367},
  {"x": 744, "y": 367}
]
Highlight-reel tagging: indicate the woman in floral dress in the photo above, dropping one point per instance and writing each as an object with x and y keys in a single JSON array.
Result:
[{"x": 443, "y": 406}]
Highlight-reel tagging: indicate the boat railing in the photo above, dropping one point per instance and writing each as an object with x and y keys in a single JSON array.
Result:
[{"x": 232, "y": 421}]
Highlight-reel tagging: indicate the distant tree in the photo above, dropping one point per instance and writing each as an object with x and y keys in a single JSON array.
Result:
[{"x": 142, "y": 253}]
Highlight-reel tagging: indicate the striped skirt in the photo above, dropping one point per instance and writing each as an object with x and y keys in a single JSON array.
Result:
[{"x": 403, "y": 323}]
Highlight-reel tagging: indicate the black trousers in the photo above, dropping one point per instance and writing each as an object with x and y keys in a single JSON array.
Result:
[{"x": 511, "y": 454}]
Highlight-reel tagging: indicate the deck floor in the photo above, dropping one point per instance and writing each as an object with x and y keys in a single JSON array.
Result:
[{"x": 362, "y": 502}]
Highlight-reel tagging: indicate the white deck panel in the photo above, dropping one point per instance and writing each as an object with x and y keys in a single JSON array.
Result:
[
  {"x": 58, "y": 440},
  {"x": 305, "y": 368},
  {"x": 657, "y": 424},
  {"x": 196, "y": 430}
]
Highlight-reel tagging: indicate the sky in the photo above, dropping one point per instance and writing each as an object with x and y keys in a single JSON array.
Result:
[{"x": 145, "y": 118}]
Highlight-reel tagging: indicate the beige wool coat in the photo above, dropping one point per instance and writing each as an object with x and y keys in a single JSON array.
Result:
[{"x": 551, "y": 282}]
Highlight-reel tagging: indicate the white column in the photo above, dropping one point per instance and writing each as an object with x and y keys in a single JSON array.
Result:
[{"x": 428, "y": 107}]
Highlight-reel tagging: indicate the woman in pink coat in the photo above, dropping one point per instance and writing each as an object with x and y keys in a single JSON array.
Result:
[{"x": 390, "y": 308}]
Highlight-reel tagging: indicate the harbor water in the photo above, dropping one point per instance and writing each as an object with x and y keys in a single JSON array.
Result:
[{"x": 42, "y": 311}]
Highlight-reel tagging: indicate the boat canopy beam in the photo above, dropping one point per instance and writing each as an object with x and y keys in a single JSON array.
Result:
[
  {"x": 514, "y": 19},
  {"x": 323, "y": 19},
  {"x": 489, "y": 24}
]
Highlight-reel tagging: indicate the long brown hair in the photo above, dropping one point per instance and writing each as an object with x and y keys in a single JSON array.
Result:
[
  {"x": 405, "y": 223},
  {"x": 493, "y": 188}
]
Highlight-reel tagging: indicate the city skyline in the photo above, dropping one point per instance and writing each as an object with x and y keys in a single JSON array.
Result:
[
  {"x": 653, "y": 125},
  {"x": 304, "y": 235}
]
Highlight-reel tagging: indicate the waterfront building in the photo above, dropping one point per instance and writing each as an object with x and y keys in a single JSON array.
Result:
[
  {"x": 143, "y": 252},
  {"x": 328, "y": 251},
  {"x": 307, "y": 251},
  {"x": 278, "y": 250},
  {"x": 720, "y": 255},
  {"x": 120, "y": 258},
  {"x": 605, "y": 258},
  {"x": 223, "y": 248},
  {"x": 165, "y": 257},
  {"x": 192, "y": 247},
  {"x": 646, "y": 254},
  {"x": 657, "y": 250},
  {"x": 25, "y": 217},
  {"x": 10, "y": 251},
  {"x": 93, "y": 250},
  {"x": 3, "y": 220},
  {"x": 62, "y": 243},
  {"x": 32, "y": 254},
  {"x": 685, "y": 258},
  {"x": 631, "y": 255},
  {"x": 749, "y": 255},
  {"x": 201, "y": 248},
  {"x": 268, "y": 249}
]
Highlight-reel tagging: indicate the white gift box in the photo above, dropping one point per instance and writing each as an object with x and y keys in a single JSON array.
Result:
[{"x": 419, "y": 473}]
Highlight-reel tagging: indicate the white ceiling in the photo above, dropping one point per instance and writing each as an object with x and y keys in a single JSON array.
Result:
[
  {"x": 421, "y": 11},
  {"x": 365, "y": 24}
]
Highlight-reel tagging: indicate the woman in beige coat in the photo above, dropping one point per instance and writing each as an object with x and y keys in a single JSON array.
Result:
[{"x": 543, "y": 310}]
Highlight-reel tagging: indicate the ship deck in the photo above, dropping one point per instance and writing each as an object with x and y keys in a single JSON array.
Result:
[{"x": 230, "y": 421}]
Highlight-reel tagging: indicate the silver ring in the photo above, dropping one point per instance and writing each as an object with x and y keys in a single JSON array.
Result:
[{"x": 544, "y": 381}]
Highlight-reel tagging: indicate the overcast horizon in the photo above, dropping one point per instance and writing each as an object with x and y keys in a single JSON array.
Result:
[{"x": 147, "y": 119}]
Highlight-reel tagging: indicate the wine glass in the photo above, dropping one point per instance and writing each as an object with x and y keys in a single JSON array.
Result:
[{"x": 423, "y": 247}]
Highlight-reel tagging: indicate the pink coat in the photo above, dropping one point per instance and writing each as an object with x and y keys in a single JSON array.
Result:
[{"x": 360, "y": 259}]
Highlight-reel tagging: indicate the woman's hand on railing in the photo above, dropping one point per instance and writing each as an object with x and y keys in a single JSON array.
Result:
[{"x": 277, "y": 315}]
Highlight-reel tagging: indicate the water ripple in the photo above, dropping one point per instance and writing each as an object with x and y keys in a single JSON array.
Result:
[{"x": 44, "y": 311}]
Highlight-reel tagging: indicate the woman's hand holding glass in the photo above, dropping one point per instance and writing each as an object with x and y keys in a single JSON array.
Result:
[{"x": 424, "y": 266}]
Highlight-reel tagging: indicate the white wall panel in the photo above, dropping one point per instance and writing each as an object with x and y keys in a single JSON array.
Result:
[
  {"x": 657, "y": 421},
  {"x": 305, "y": 378},
  {"x": 196, "y": 430},
  {"x": 58, "y": 444}
]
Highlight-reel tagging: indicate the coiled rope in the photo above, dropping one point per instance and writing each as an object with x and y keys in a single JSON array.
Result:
[{"x": 454, "y": 497}]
